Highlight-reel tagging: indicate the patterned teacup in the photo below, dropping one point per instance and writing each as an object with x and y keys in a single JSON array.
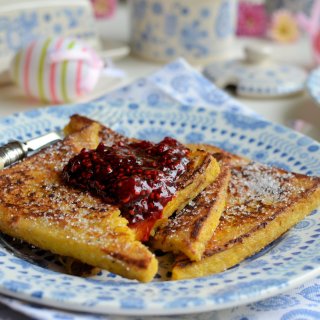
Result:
[{"x": 198, "y": 30}]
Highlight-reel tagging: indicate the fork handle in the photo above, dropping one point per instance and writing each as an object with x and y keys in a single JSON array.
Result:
[{"x": 11, "y": 153}]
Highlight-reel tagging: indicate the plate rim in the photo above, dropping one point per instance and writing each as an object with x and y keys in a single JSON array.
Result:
[{"x": 100, "y": 310}]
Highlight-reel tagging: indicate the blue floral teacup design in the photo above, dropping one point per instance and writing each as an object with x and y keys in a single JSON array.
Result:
[{"x": 198, "y": 30}]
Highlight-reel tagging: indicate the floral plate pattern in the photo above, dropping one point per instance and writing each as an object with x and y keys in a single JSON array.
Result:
[{"x": 289, "y": 261}]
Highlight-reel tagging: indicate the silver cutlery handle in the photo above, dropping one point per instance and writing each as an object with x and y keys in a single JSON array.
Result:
[
  {"x": 11, "y": 152},
  {"x": 16, "y": 150}
]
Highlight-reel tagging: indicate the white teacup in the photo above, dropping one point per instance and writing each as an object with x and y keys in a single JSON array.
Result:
[{"x": 198, "y": 30}]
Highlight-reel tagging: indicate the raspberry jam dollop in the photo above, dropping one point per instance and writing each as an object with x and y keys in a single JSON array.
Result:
[{"x": 139, "y": 177}]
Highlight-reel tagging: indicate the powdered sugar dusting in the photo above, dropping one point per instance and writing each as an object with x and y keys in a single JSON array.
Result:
[
  {"x": 195, "y": 214},
  {"x": 33, "y": 190},
  {"x": 254, "y": 188},
  {"x": 184, "y": 219}
]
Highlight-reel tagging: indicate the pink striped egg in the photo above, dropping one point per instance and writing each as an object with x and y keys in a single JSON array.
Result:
[{"x": 57, "y": 70}]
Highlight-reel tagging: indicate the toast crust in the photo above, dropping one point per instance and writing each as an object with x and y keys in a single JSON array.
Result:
[
  {"x": 189, "y": 230},
  {"x": 204, "y": 170},
  {"x": 263, "y": 203}
]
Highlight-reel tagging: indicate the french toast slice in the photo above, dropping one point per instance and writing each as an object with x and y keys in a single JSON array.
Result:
[
  {"x": 262, "y": 204},
  {"x": 36, "y": 206},
  {"x": 106, "y": 135},
  {"x": 202, "y": 170},
  {"x": 189, "y": 230}
]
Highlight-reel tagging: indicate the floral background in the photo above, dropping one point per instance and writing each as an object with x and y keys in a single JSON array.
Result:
[{"x": 283, "y": 21}]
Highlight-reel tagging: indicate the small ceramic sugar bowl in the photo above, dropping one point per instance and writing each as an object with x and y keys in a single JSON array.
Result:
[
  {"x": 198, "y": 30},
  {"x": 257, "y": 75}
]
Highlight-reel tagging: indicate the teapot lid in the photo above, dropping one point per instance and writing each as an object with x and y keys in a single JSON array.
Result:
[{"x": 257, "y": 75}]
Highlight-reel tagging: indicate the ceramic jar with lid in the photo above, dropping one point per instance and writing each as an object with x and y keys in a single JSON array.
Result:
[
  {"x": 198, "y": 30},
  {"x": 257, "y": 75}
]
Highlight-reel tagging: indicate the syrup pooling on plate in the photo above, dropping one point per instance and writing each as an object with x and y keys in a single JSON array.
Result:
[{"x": 139, "y": 177}]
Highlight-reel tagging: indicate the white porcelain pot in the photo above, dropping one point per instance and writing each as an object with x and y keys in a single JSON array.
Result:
[{"x": 198, "y": 30}]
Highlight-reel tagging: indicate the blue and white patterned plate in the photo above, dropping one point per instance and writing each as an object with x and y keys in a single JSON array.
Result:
[
  {"x": 286, "y": 263},
  {"x": 313, "y": 85}
]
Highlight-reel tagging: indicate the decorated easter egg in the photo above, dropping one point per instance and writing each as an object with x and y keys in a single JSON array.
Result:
[{"x": 57, "y": 70}]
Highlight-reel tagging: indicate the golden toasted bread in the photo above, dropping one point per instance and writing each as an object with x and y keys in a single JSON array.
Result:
[
  {"x": 203, "y": 169},
  {"x": 262, "y": 204},
  {"x": 189, "y": 230},
  {"x": 36, "y": 206},
  {"x": 106, "y": 135}
]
